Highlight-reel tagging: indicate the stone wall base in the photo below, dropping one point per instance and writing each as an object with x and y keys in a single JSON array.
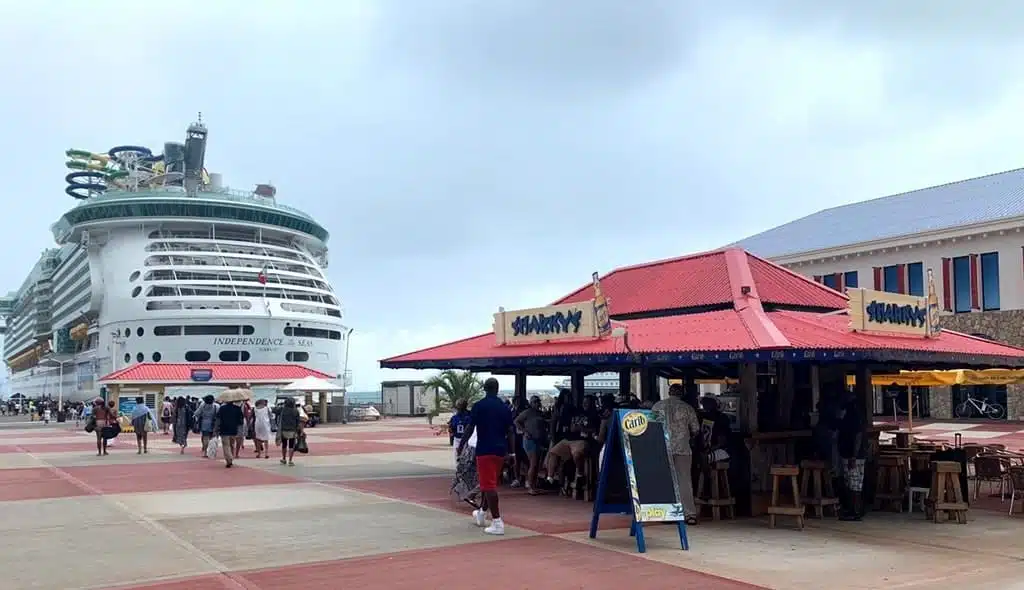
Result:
[
  {"x": 940, "y": 401},
  {"x": 1002, "y": 326}
]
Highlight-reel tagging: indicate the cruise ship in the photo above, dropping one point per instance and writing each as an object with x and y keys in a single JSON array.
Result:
[{"x": 160, "y": 262}]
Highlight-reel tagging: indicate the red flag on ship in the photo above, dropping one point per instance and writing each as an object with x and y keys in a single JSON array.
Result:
[{"x": 262, "y": 277}]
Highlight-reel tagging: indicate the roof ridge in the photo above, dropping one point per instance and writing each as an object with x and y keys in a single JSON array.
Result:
[{"x": 747, "y": 305}]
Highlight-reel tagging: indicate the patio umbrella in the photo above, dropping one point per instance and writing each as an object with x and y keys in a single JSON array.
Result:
[{"x": 234, "y": 395}]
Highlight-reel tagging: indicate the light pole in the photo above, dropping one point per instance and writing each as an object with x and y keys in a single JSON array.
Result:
[{"x": 60, "y": 379}]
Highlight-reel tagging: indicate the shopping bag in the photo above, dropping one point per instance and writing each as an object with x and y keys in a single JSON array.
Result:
[
  {"x": 213, "y": 447},
  {"x": 90, "y": 424},
  {"x": 301, "y": 446}
]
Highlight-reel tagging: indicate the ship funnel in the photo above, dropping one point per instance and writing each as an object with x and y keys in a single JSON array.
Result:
[
  {"x": 195, "y": 155},
  {"x": 216, "y": 181}
]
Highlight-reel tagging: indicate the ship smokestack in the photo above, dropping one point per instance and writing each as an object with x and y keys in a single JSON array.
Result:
[{"x": 195, "y": 155}]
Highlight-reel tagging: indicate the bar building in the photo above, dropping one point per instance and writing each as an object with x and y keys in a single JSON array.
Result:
[{"x": 967, "y": 233}]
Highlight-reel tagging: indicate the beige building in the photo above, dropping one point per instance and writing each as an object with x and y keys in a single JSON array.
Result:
[{"x": 968, "y": 234}]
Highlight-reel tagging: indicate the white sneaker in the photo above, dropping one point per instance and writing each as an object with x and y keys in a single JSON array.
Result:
[
  {"x": 497, "y": 527},
  {"x": 479, "y": 518}
]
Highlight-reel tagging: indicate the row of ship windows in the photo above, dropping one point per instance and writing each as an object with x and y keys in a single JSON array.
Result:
[
  {"x": 226, "y": 261},
  {"x": 228, "y": 330},
  {"x": 275, "y": 293},
  {"x": 220, "y": 248},
  {"x": 229, "y": 276},
  {"x": 239, "y": 305},
  {"x": 227, "y": 356},
  {"x": 221, "y": 233}
]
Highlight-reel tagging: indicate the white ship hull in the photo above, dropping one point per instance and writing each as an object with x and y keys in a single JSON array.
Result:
[{"x": 145, "y": 315}]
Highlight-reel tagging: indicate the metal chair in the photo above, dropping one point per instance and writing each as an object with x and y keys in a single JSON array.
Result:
[
  {"x": 990, "y": 468},
  {"x": 1016, "y": 477}
]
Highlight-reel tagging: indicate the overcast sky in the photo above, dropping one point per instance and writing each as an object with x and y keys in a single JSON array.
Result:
[{"x": 468, "y": 154}]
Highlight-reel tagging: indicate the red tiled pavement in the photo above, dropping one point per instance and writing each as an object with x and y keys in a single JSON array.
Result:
[
  {"x": 36, "y": 483},
  {"x": 380, "y": 435},
  {"x": 159, "y": 477},
  {"x": 548, "y": 514},
  {"x": 553, "y": 564},
  {"x": 358, "y": 447}
]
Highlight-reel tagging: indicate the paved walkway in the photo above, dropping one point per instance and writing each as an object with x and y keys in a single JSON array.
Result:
[{"x": 369, "y": 508}]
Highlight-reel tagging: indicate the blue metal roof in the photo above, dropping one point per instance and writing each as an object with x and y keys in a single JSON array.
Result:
[{"x": 967, "y": 202}]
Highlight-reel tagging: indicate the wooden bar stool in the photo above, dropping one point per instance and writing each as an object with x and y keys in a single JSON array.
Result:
[
  {"x": 946, "y": 495},
  {"x": 891, "y": 483},
  {"x": 713, "y": 490},
  {"x": 778, "y": 473},
  {"x": 814, "y": 480}
]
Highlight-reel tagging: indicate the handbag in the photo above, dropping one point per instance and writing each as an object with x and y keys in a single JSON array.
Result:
[
  {"x": 212, "y": 447},
  {"x": 90, "y": 424},
  {"x": 301, "y": 446},
  {"x": 111, "y": 431}
]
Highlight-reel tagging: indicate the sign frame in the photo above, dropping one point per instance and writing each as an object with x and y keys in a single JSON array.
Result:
[
  {"x": 584, "y": 324},
  {"x": 200, "y": 375},
  {"x": 623, "y": 426},
  {"x": 909, "y": 315}
]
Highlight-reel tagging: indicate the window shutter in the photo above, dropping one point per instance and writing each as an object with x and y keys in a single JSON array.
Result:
[
  {"x": 947, "y": 291},
  {"x": 901, "y": 278},
  {"x": 975, "y": 300},
  {"x": 839, "y": 282},
  {"x": 817, "y": 278},
  {"x": 878, "y": 278}
]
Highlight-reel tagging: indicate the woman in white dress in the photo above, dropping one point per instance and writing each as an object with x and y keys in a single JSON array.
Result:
[{"x": 261, "y": 429}]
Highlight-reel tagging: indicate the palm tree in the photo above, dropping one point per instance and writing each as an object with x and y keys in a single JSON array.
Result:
[{"x": 452, "y": 386}]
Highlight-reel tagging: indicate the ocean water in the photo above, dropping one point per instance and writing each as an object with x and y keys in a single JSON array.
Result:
[{"x": 363, "y": 397}]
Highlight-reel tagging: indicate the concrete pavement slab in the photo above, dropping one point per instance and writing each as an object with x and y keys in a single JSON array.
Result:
[
  {"x": 234, "y": 501},
  {"x": 300, "y": 535}
]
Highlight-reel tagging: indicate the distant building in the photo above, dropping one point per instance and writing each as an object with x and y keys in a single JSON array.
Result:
[{"x": 969, "y": 233}]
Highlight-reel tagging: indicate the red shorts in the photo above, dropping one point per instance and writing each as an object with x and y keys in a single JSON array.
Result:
[{"x": 488, "y": 468}]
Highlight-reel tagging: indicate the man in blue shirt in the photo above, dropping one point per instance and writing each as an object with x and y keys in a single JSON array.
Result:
[{"x": 491, "y": 419}]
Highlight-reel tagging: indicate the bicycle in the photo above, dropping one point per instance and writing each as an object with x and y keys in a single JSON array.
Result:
[{"x": 971, "y": 406}]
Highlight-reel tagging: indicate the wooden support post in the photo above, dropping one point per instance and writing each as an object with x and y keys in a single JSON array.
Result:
[
  {"x": 748, "y": 398},
  {"x": 577, "y": 387},
  {"x": 815, "y": 394},
  {"x": 865, "y": 392},
  {"x": 625, "y": 383},
  {"x": 520, "y": 390},
  {"x": 787, "y": 393},
  {"x": 649, "y": 385}
]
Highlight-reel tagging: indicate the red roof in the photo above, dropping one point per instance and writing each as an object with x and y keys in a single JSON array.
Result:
[
  {"x": 220, "y": 373},
  {"x": 736, "y": 286},
  {"x": 706, "y": 279},
  {"x": 825, "y": 332}
]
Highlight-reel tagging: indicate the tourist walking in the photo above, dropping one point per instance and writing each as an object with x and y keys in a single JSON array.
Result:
[
  {"x": 230, "y": 420},
  {"x": 166, "y": 415},
  {"x": 680, "y": 419},
  {"x": 102, "y": 419},
  {"x": 491, "y": 421},
  {"x": 261, "y": 429},
  {"x": 289, "y": 427},
  {"x": 184, "y": 420},
  {"x": 141, "y": 415},
  {"x": 206, "y": 419},
  {"x": 466, "y": 485}
]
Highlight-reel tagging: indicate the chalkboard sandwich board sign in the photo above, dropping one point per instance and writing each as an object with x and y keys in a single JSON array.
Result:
[{"x": 637, "y": 476}]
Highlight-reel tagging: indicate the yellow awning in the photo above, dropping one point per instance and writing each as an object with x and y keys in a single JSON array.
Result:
[{"x": 942, "y": 378}]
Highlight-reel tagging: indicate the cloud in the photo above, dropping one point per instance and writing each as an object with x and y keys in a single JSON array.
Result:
[{"x": 470, "y": 154}]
